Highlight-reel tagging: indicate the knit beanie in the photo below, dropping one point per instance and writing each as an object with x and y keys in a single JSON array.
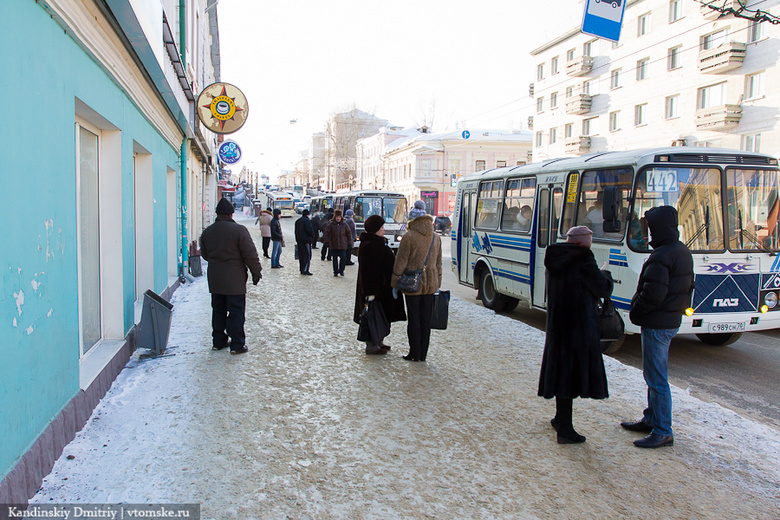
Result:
[
  {"x": 418, "y": 210},
  {"x": 580, "y": 235},
  {"x": 373, "y": 224},
  {"x": 225, "y": 207}
]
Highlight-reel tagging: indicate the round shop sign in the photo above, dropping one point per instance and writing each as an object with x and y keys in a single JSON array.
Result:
[
  {"x": 229, "y": 152},
  {"x": 222, "y": 107}
]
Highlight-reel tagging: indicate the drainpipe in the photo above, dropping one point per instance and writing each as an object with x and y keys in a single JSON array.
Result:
[
  {"x": 184, "y": 238},
  {"x": 183, "y": 33}
]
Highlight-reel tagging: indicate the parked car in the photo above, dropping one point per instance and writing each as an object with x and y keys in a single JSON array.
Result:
[{"x": 442, "y": 225}]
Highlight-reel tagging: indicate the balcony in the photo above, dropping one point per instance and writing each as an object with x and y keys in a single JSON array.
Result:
[
  {"x": 579, "y": 104},
  {"x": 719, "y": 5},
  {"x": 718, "y": 118},
  {"x": 579, "y": 66},
  {"x": 577, "y": 145},
  {"x": 530, "y": 122},
  {"x": 723, "y": 58},
  {"x": 531, "y": 89}
]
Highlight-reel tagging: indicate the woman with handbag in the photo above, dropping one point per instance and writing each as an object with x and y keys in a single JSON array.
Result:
[
  {"x": 375, "y": 268},
  {"x": 418, "y": 260},
  {"x": 572, "y": 365}
]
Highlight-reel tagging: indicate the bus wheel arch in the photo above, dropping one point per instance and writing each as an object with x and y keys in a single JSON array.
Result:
[
  {"x": 720, "y": 340},
  {"x": 490, "y": 296},
  {"x": 610, "y": 347}
]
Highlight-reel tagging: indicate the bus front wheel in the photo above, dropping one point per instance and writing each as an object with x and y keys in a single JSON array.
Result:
[
  {"x": 719, "y": 340},
  {"x": 491, "y": 298},
  {"x": 609, "y": 347}
]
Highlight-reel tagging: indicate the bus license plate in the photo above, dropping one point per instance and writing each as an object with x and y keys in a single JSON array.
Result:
[{"x": 727, "y": 327}]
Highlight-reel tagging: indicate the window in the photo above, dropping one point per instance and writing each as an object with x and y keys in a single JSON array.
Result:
[
  {"x": 586, "y": 209},
  {"x": 569, "y": 92},
  {"x": 614, "y": 121},
  {"x": 570, "y": 54},
  {"x": 672, "y": 105},
  {"x": 755, "y": 32},
  {"x": 640, "y": 114},
  {"x": 426, "y": 168},
  {"x": 540, "y": 72},
  {"x": 641, "y": 69},
  {"x": 614, "y": 79},
  {"x": 675, "y": 10},
  {"x": 554, "y": 66},
  {"x": 539, "y": 104},
  {"x": 538, "y": 139},
  {"x": 479, "y": 166},
  {"x": 712, "y": 40},
  {"x": 711, "y": 96},
  {"x": 754, "y": 85},
  {"x": 553, "y": 135},
  {"x": 752, "y": 209},
  {"x": 568, "y": 130},
  {"x": 488, "y": 203},
  {"x": 500, "y": 164},
  {"x": 586, "y": 87},
  {"x": 673, "y": 58},
  {"x": 751, "y": 143},
  {"x": 587, "y": 48},
  {"x": 554, "y": 100},
  {"x": 643, "y": 24},
  {"x": 586, "y": 126},
  {"x": 518, "y": 205}
]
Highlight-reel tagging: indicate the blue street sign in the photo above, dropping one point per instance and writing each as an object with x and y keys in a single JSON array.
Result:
[
  {"x": 466, "y": 134},
  {"x": 603, "y": 18},
  {"x": 229, "y": 152}
]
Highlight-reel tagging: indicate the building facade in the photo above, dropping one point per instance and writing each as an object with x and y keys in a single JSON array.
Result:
[
  {"x": 105, "y": 208},
  {"x": 681, "y": 74}
]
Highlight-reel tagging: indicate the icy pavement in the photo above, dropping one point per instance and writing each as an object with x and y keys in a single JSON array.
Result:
[{"x": 307, "y": 426}]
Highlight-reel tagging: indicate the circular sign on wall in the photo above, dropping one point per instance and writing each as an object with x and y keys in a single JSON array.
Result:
[
  {"x": 229, "y": 152},
  {"x": 222, "y": 107}
]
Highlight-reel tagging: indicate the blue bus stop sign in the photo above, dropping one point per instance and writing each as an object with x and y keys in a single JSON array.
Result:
[{"x": 603, "y": 18}]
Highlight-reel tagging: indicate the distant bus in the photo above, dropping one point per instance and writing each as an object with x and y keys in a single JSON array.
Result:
[
  {"x": 390, "y": 205},
  {"x": 279, "y": 200},
  {"x": 298, "y": 191}
]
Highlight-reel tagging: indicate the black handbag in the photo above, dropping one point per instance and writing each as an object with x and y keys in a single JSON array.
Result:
[
  {"x": 373, "y": 325},
  {"x": 611, "y": 325},
  {"x": 363, "y": 333},
  {"x": 409, "y": 281},
  {"x": 441, "y": 306}
]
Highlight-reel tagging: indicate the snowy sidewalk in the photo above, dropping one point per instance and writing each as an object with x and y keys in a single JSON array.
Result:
[{"x": 307, "y": 426}]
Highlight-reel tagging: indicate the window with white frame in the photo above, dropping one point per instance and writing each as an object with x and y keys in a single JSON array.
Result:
[
  {"x": 643, "y": 24},
  {"x": 641, "y": 69},
  {"x": 614, "y": 79},
  {"x": 554, "y": 100},
  {"x": 553, "y": 135},
  {"x": 569, "y": 92},
  {"x": 479, "y": 165},
  {"x": 711, "y": 96},
  {"x": 539, "y": 104},
  {"x": 673, "y": 58},
  {"x": 568, "y": 130},
  {"x": 500, "y": 164},
  {"x": 755, "y": 32},
  {"x": 640, "y": 114},
  {"x": 570, "y": 54},
  {"x": 540, "y": 72},
  {"x": 672, "y": 106},
  {"x": 675, "y": 10},
  {"x": 539, "y": 139},
  {"x": 751, "y": 143},
  {"x": 754, "y": 85},
  {"x": 714, "y": 39},
  {"x": 586, "y": 87},
  {"x": 587, "y": 126},
  {"x": 614, "y": 121},
  {"x": 587, "y": 48},
  {"x": 554, "y": 66}
]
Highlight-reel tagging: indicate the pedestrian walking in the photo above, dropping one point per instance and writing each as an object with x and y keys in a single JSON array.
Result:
[
  {"x": 229, "y": 250},
  {"x": 375, "y": 272},
  {"x": 662, "y": 295},
  {"x": 572, "y": 364},
  {"x": 340, "y": 242},
  {"x": 304, "y": 237},
  {"x": 419, "y": 249},
  {"x": 418, "y": 210},
  {"x": 348, "y": 218},
  {"x": 264, "y": 219},
  {"x": 277, "y": 238},
  {"x": 323, "y": 225}
]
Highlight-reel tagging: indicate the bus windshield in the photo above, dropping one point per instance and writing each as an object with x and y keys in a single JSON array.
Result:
[
  {"x": 284, "y": 203},
  {"x": 752, "y": 209},
  {"x": 394, "y": 210}
]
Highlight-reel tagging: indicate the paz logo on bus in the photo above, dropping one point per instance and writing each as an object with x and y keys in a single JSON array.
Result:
[{"x": 725, "y": 302}]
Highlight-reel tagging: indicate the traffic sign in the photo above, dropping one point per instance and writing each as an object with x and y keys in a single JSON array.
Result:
[
  {"x": 603, "y": 18},
  {"x": 466, "y": 134}
]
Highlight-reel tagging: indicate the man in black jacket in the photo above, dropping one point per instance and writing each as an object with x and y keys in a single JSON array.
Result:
[
  {"x": 277, "y": 239},
  {"x": 304, "y": 238},
  {"x": 229, "y": 250},
  {"x": 662, "y": 295}
]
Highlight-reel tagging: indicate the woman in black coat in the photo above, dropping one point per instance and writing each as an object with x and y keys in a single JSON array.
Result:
[
  {"x": 572, "y": 365},
  {"x": 375, "y": 268}
]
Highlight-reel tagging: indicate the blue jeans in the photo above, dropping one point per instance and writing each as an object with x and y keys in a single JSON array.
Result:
[
  {"x": 655, "y": 358},
  {"x": 276, "y": 253}
]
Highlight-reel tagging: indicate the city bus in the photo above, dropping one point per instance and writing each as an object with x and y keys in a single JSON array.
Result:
[
  {"x": 727, "y": 203},
  {"x": 280, "y": 200},
  {"x": 390, "y": 205}
]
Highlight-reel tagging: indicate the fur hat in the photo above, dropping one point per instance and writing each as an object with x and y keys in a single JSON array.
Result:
[
  {"x": 305, "y": 213},
  {"x": 581, "y": 235},
  {"x": 373, "y": 224},
  {"x": 337, "y": 213},
  {"x": 225, "y": 207}
]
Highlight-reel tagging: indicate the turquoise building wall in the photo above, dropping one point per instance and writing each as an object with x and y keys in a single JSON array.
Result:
[{"x": 43, "y": 75}]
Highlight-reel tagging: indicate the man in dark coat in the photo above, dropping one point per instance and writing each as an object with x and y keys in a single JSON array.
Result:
[
  {"x": 277, "y": 239},
  {"x": 662, "y": 295},
  {"x": 322, "y": 225},
  {"x": 375, "y": 270},
  {"x": 304, "y": 238},
  {"x": 229, "y": 250},
  {"x": 572, "y": 365},
  {"x": 339, "y": 239}
]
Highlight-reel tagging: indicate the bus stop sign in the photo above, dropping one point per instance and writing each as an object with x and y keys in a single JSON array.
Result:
[{"x": 603, "y": 18}]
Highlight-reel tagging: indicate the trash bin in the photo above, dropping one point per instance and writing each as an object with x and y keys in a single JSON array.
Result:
[{"x": 155, "y": 323}]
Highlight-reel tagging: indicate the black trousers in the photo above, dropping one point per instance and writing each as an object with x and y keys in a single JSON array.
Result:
[
  {"x": 419, "y": 309},
  {"x": 266, "y": 243},
  {"x": 304, "y": 256},
  {"x": 325, "y": 251},
  {"x": 227, "y": 315},
  {"x": 339, "y": 260}
]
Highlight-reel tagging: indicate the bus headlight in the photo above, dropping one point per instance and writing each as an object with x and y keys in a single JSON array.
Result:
[
  {"x": 770, "y": 299},
  {"x": 689, "y": 311}
]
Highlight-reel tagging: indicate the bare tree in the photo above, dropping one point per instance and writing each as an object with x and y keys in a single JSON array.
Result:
[{"x": 343, "y": 131}]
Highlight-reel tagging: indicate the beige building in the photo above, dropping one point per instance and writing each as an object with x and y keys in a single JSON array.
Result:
[{"x": 682, "y": 74}]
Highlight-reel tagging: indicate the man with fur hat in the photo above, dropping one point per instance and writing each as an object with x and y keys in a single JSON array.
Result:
[
  {"x": 229, "y": 250},
  {"x": 339, "y": 238}
]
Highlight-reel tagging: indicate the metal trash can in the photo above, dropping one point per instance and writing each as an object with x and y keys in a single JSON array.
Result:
[{"x": 155, "y": 323}]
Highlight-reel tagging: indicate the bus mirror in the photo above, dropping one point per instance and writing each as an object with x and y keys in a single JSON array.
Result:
[{"x": 610, "y": 211}]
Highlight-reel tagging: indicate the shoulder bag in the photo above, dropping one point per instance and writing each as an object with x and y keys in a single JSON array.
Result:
[{"x": 410, "y": 281}]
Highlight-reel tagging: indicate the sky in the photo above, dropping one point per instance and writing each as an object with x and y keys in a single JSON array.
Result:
[{"x": 449, "y": 64}]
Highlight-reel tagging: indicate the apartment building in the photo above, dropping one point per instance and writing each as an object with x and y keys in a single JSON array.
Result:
[{"x": 682, "y": 74}]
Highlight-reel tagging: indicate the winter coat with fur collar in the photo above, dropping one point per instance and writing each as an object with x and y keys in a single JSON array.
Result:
[{"x": 413, "y": 251}]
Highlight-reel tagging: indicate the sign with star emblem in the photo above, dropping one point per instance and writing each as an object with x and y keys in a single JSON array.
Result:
[{"x": 222, "y": 107}]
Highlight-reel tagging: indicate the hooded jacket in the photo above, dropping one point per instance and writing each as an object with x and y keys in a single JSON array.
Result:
[
  {"x": 276, "y": 227},
  {"x": 572, "y": 365},
  {"x": 229, "y": 250},
  {"x": 413, "y": 251},
  {"x": 666, "y": 281}
]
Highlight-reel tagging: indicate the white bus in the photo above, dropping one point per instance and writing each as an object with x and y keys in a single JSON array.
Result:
[
  {"x": 728, "y": 214},
  {"x": 281, "y": 200},
  {"x": 390, "y": 205}
]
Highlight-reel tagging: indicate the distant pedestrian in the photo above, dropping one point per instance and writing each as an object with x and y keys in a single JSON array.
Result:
[
  {"x": 229, "y": 250},
  {"x": 418, "y": 210},
  {"x": 662, "y": 295},
  {"x": 340, "y": 241},
  {"x": 375, "y": 272},
  {"x": 572, "y": 365},
  {"x": 348, "y": 218},
  {"x": 325, "y": 221},
  {"x": 304, "y": 237},
  {"x": 277, "y": 238},
  {"x": 419, "y": 244},
  {"x": 264, "y": 219}
]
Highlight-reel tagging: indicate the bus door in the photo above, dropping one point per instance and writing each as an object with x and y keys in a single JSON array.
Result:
[
  {"x": 549, "y": 204},
  {"x": 466, "y": 219}
]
